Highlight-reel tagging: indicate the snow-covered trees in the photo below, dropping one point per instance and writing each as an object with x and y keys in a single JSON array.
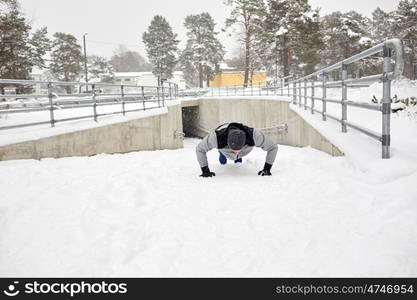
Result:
[
  {"x": 382, "y": 25},
  {"x": 247, "y": 14},
  {"x": 66, "y": 58},
  {"x": 203, "y": 52},
  {"x": 293, "y": 32},
  {"x": 161, "y": 48},
  {"x": 20, "y": 50},
  {"x": 99, "y": 69},
  {"x": 125, "y": 60},
  {"x": 405, "y": 27},
  {"x": 344, "y": 35}
]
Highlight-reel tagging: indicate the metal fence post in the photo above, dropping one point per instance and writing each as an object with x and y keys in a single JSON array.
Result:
[
  {"x": 288, "y": 86},
  {"x": 294, "y": 92},
  {"x": 386, "y": 104},
  {"x": 159, "y": 97},
  {"x": 305, "y": 94},
  {"x": 95, "y": 102},
  {"x": 143, "y": 97},
  {"x": 282, "y": 86},
  {"x": 312, "y": 95},
  {"x": 324, "y": 96},
  {"x": 299, "y": 95},
  {"x": 123, "y": 99},
  {"x": 170, "y": 91},
  {"x": 344, "y": 97},
  {"x": 51, "y": 104},
  {"x": 163, "y": 94}
]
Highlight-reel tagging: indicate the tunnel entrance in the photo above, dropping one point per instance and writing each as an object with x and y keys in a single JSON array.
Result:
[{"x": 190, "y": 122}]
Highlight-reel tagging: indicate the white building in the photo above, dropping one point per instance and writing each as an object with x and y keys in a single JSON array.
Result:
[{"x": 146, "y": 78}]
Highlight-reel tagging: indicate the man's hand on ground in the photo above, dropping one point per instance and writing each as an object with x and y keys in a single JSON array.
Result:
[
  {"x": 266, "y": 171},
  {"x": 207, "y": 172}
]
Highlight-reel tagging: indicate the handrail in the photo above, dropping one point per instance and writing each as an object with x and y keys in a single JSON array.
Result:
[
  {"x": 93, "y": 99},
  {"x": 392, "y": 44},
  {"x": 387, "y": 75},
  {"x": 297, "y": 88}
]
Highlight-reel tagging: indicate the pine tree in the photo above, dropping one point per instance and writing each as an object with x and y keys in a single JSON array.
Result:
[
  {"x": 405, "y": 27},
  {"x": 188, "y": 68},
  {"x": 292, "y": 31},
  {"x": 247, "y": 14},
  {"x": 41, "y": 45},
  {"x": 9, "y": 4},
  {"x": 345, "y": 34},
  {"x": 382, "y": 25},
  {"x": 203, "y": 52},
  {"x": 99, "y": 69},
  {"x": 66, "y": 58},
  {"x": 20, "y": 50},
  {"x": 161, "y": 48},
  {"x": 15, "y": 61}
]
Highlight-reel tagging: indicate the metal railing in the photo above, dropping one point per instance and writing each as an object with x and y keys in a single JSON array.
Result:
[
  {"x": 95, "y": 95},
  {"x": 300, "y": 88},
  {"x": 297, "y": 88},
  {"x": 259, "y": 88}
]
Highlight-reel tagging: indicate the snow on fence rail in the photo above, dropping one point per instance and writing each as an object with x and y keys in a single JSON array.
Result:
[
  {"x": 95, "y": 95},
  {"x": 297, "y": 88},
  {"x": 287, "y": 86},
  {"x": 387, "y": 75}
]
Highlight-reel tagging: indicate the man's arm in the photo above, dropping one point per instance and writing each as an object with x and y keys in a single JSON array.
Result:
[
  {"x": 208, "y": 143},
  {"x": 267, "y": 144}
]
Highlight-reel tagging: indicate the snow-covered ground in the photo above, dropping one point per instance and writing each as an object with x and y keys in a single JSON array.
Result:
[
  {"x": 150, "y": 214},
  {"x": 363, "y": 151}
]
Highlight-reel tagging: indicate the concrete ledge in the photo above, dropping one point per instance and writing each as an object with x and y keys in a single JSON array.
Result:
[
  {"x": 260, "y": 113},
  {"x": 147, "y": 133},
  {"x": 157, "y": 131}
]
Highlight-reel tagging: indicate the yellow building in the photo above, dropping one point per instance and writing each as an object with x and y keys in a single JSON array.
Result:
[{"x": 236, "y": 78}]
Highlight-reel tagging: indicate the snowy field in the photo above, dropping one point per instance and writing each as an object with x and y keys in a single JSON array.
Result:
[{"x": 150, "y": 214}]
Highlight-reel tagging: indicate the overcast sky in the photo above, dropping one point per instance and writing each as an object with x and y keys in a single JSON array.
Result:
[{"x": 112, "y": 22}]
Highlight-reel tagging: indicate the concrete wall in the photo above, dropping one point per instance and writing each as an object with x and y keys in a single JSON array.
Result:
[
  {"x": 261, "y": 113},
  {"x": 157, "y": 132},
  {"x": 148, "y": 133}
]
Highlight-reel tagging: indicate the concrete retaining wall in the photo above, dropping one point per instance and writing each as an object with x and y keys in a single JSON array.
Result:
[
  {"x": 148, "y": 133},
  {"x": 157, "y": 132},
  {"x": 261, "y": 113}
]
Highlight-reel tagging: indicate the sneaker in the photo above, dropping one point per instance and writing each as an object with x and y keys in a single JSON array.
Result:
[
  {"x": 222, "y": 159},
  {"x": 239, "y": 160}
]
